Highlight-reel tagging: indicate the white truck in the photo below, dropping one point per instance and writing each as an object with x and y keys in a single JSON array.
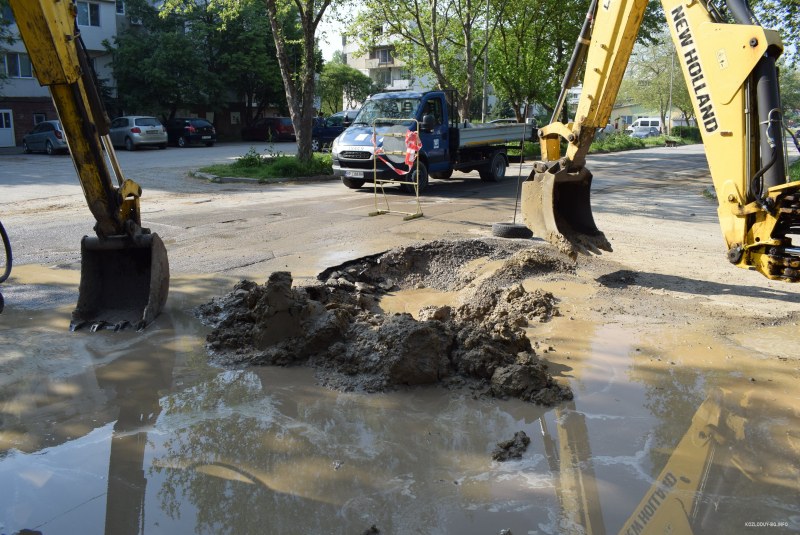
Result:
[{"x": 445, "y": 144}]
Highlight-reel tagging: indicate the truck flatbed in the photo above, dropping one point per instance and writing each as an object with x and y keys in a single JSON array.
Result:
[{"x": 474, "y": 136}]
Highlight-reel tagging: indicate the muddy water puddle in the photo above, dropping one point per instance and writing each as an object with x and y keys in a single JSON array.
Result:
[{"x": 136, "y": 433}]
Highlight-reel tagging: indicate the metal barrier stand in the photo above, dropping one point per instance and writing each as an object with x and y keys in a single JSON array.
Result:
[{"x": 380, "y": 182}]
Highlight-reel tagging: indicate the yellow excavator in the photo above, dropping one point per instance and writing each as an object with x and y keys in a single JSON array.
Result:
[
  {"x": 124, "y": 268},
  {"x": 730, "y": 72},
  {"x": 723, "y": 449}
]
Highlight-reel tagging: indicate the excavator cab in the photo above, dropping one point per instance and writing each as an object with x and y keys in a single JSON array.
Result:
[{"x": 124, "y": 268}]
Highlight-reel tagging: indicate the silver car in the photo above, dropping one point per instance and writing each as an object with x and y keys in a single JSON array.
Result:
[
  {"x": 46, "y": 137},
  {"x": 134, "y": 131}
]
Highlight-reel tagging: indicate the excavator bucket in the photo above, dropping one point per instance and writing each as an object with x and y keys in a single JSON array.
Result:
[
  {"x": 557, "y": 208},
  {"x": 124, "y": 282}
]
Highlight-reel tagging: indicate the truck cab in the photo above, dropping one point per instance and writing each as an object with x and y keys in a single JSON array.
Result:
[
  {"x": 353, "y": 152},
  {"x": 373, "y": 147}
]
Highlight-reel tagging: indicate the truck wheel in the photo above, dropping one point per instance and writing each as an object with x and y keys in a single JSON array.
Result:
[
  {"x": 420, "y": 177},
  {"x": 496, "y": 169},
  {"x": 511, "y": 230},
  {"x": 316, "y": 145},
  {"x": 442, "y": 175},
  {"x": 352, "y": 183}
]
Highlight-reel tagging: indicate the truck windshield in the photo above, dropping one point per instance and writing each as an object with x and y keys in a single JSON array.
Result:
[{"x": 387, "y": 108}]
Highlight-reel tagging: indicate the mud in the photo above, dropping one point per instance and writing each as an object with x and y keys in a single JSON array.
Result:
[
  {"x": 337, "y": 326},
  {"x": 512, "y": 448}
]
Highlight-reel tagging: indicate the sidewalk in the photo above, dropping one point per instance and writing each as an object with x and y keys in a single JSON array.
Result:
[{"x": 10, "y": 150}]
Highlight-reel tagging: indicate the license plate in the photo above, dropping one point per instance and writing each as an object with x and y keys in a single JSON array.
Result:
[
  {"x": 354, "y": 174},
  {"x": 152, "y": 131},
  {"x": 206, "y": 137}
]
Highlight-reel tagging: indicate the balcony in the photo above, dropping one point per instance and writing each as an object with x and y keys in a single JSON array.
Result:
[{"x": 378, "y": 63}]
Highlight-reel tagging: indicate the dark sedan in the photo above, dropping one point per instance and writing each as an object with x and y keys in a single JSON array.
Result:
[
  {"x": 269, "y": 129},
  {"x": 184, "y": 131},
  {"x": 328, "y": 129}
]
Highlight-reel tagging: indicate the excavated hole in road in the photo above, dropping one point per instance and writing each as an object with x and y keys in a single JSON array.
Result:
[{"x": 337, "y": 326}]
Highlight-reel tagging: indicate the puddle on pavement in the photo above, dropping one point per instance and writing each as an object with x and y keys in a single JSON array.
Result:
[{"x": 136, "y": 433}]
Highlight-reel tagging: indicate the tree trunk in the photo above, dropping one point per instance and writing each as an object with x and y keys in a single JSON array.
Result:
[{"x": 300, "y": 100}]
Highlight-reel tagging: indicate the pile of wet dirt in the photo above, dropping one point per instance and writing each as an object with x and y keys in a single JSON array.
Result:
[
  {"x": 512, "y": 448},
  {"x": 337, "y": 326}
]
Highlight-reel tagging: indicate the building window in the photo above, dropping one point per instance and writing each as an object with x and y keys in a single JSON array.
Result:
[
  {"x": 39, "y": 118},
  {"x": 88, "y": 14},
  {"x": 120, "y": 7},
  {"x": 18, "y": 65},
  {"x": 383, "y": 77},
  {"x": 383, "y": 55}
]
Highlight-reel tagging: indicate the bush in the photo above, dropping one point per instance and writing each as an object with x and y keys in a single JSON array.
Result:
[
  {"x": 616, "y": 142},
  {"x": 266, "y": 167},
  {"x": 687, "y": 132}
]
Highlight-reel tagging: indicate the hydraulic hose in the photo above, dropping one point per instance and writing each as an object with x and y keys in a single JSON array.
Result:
[
  {"x": 7, "y": 270},
  {"x": 577, "y": 59},
  {"x": 7, "y": 247}
]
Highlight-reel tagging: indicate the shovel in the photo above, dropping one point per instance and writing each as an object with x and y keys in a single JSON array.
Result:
[
  {"x": 556, "y": 207},
  {"x": 124, "y": 282}
]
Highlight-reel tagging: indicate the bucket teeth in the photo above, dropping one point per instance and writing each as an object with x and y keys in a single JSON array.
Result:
[{"x": 556, "y": 206}]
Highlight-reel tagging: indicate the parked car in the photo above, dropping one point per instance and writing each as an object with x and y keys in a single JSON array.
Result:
[
  {"x": 645, "y": 122},
  {"x": 328, "y": 129},
  {"x": 645, "y": 131},
  {"x": 269, "y": 129},
  {"x": 47, "y": 136},
  {"x": 134, "y": 131},
  {"x": 183, "y": 131}
]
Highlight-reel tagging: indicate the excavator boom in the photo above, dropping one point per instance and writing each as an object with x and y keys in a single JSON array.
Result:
[
  {"x": 731, "y": 76},
  {"x": 124, "y": 268}
]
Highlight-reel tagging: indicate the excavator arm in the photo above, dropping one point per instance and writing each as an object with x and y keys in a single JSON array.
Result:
[
  {"x": 731, "y": 76},
  {"x": 124, "y": 268}
]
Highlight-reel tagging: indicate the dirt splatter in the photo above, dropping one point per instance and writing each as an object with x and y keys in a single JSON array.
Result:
[
  {"x": 512, "y": 448},
  {"x": 337, "y": 327}
]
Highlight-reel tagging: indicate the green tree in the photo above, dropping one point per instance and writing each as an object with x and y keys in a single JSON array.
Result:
[
  {"x": 341, "y": 87},
  {"x": 528, "y": 57},
  {"x": 790, "y": 90},
  {"x": 653, "y": 77},
  {"x": 442, "y": 39},
  {"x": 6, "y": 37},
  {"x": 160, "y": 77},
  {"x": 247, "y": 60},
  {"x": 299, "y": 78},
  {"x": 783, "y": 16}
]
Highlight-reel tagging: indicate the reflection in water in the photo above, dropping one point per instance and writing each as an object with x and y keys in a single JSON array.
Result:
[
  {"x": 134, "y": 433},
  {"x": 136, "y": 382},
  {"x": 246, "y": 456}
]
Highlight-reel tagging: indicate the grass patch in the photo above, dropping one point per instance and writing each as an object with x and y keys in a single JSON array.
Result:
[{"x": 270, "y": 167}]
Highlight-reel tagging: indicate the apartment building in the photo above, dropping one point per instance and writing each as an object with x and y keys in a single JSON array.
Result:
[
  {"x": 381, "y": 65},
  {"x": 23, "y": 102}
]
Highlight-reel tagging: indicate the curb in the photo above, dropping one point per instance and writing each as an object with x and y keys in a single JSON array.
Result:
[{"x": 242, "y": 180}]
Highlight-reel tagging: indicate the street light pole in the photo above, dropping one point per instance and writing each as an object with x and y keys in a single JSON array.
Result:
[
  {"x": 485, "y": 101},
  {"x": 669, "y": 112}
]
